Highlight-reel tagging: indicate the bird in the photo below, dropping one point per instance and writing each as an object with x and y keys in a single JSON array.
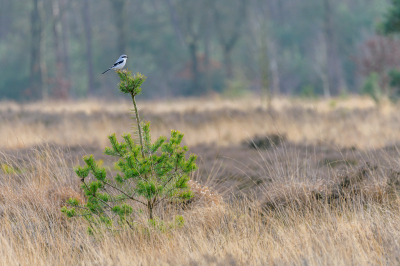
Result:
[{"x": 119, "y": 64}]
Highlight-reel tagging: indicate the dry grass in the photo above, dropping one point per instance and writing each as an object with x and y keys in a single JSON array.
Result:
[
  {"x": 186, "y": 104},
  {"x": 349, "y": 122},
  {"x": 299, "y": 213},
  {"x": 354, "y": 231}
]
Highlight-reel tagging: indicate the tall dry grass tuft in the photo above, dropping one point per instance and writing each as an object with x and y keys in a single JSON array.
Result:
[{"x": 356, "y": 229}]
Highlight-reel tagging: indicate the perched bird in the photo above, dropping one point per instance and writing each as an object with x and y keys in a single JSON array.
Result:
[{"x": 119, "y": 64}]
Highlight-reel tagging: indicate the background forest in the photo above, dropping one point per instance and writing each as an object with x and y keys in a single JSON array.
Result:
[
  {"x": 58, "y": 48},
  {"x": 314, "y": 179}
]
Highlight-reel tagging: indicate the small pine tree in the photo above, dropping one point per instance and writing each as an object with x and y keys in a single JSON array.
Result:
[{"x": 150, "y": 172}]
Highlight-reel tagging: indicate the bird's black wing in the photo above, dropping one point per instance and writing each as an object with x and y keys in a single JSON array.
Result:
[{"x": 117, "y": 63}]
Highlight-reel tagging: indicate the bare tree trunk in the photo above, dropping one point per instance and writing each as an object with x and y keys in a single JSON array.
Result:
[
  {"x": 259, "y": 29},
  {"x": 333, "y": 66},
  {"x": 189, "y": 19},
  {"x": 274, "y": 68},
  {"x": 325, "y": 84},
  {"x": 43, "y": 66},
  {"x": 322, "y": 65},
  {"x": 208, "y": 79},
  {"x": 228, "y": 42},
  {"x": 175, "y": 22},
  {"x": 228, "y": 62},
  {"x": 264, "y": 72},
  {"x": 6, "y": 17},
  {"x": 195, "y": 65},
  {"x": 119, "y": 16},
  {"x": 342, "y": 81},
  {"x": 282, "y": 18},
  {"x": 56, "y": 35},
  {"x": 89, "y": 56},
  {"x": 65, "y": 50},
  {"x": 59, "y": 91},
  {"x": 35, "y": 89},
  {"x": 328, "y": 35}
]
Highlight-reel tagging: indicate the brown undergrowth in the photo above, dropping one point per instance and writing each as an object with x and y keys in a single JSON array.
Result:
[
  {"x": 364, "y": 184},
  {"x": 271, "y": 200},
  {"x": 352, "y": 218}
]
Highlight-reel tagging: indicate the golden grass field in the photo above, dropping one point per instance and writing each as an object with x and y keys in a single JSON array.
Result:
[
  {"x": 348, "y": 122},
  {"x": 321, "y": 188}
]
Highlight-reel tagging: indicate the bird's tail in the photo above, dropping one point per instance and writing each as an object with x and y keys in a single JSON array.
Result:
[{"x": 106, "y": 71}]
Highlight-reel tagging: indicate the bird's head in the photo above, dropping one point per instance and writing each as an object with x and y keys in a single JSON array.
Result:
[{"x": 123, "y": 57}]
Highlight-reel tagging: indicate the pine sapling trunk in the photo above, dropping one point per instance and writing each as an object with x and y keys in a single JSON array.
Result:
[
  {"x": 138, "y": 122},
  {"x": 150, "y": 210},
  {"x": 149, "y": 204}
]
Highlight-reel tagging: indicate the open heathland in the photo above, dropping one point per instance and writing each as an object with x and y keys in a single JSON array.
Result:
[{"x": 306, "y": 182}]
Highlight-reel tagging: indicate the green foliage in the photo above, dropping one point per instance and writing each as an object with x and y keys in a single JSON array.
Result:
[
  {"x": 394, "y": 76},
  {"x": 163, "y": 227},
  {"x": 391, "y": 24},
  {"x": 9, "y": 170},
  {"x": 150, "y": 172},
  {"x": 332, "y": 104},
  {"x": 371, "y": 87},
  {"x": 179, "y": 221},
  {"x": 344, "y": 95},
  {"x": 308, "y": 92},
  {"x": 237, "y": 87},
  {"x": 130, "y": 84}
]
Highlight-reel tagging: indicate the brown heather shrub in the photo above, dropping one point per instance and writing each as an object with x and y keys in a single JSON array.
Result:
[
  {"x": 60, "y": 195},
  {"x": 363, "y": 185},
  {"x": 203, "y": 197}
]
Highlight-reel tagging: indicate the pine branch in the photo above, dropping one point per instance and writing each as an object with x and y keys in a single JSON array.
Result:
[{"x": 130, "y": 197}]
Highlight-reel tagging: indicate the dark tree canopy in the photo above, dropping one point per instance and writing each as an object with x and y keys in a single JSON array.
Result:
[{"x": 391, "y": 23}]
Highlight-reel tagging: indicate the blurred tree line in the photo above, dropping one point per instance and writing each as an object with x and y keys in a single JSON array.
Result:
[{"x": 58, "y": 48}]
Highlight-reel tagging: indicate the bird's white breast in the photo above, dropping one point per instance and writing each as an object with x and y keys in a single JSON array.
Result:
[{"x": 120, "y": 65}]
